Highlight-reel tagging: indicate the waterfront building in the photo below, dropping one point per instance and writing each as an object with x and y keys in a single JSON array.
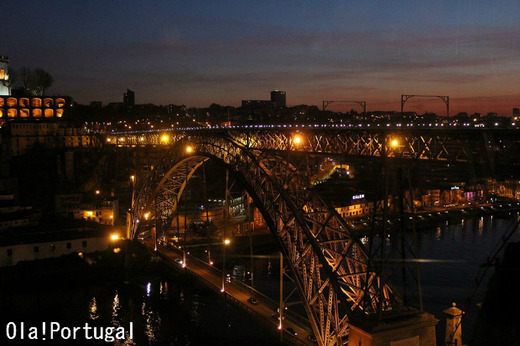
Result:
[{"x": 36, "y": 245}]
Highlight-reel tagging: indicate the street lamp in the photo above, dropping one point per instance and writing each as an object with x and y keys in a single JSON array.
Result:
[
  {"x": 226, "y": 242},
  {"x": 165, "y": 139},
  {"x": 297, "y": 139},
  {"x": 189, "y": 149}
]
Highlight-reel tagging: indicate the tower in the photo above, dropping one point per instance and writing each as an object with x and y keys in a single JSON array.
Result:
[
  {"x": 278, "y": 98},
  {"x": 129, "y": 98},
  {"x": 5, "y": 83}
]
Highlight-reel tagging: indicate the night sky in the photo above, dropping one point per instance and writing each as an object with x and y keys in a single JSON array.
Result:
[{"x": 202, "y": 52}]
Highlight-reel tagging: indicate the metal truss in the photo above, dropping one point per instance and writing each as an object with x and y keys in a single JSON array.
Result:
[
  {"x": 472, "y": 146},
  {"x": 445, "y": 99},
  {"x": 427, "y": 145},
  {"x": 332, "y": 271}
]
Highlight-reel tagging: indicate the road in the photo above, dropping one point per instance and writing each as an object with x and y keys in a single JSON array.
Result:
[{"x": 238, "y": 292}]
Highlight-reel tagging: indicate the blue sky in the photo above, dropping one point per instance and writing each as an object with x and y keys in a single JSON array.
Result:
[{"x": 202, "y": 52}]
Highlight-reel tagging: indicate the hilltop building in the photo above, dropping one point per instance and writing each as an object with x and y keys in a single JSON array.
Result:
[
  {"x": 27, "y": 107},
  {"x": 129, "y": 98},
  {"x": 5, "y": 84},
  {"x": 278, "y": 99}
]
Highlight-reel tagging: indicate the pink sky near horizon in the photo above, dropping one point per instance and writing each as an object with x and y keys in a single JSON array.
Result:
[{"x": 199, "y": 53}]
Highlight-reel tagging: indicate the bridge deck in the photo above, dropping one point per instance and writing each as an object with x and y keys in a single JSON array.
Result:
[{"x": 237, "y": 293}]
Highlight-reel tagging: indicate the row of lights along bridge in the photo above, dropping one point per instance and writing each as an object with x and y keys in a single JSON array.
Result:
[{"x": 157, "y": 124}]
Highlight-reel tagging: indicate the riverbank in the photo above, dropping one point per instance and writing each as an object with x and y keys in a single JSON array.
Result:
[
  {"x": 164, "y": 306},
  {"x": 425, "y": 219}
]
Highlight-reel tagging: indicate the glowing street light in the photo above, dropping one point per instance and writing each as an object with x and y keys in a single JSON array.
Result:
[
  {"x": 226, "y": 242},
  {"x": 297, "y": 139},
  {"x": 165, "y": 139},
  {"x": 395, "y": 143},
  {"x": 189, "y": 149}
]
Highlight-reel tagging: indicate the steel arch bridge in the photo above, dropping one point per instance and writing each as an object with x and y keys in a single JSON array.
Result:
[
  {"x": 485, "y": 149},
  {"x": 332, "y": 271}
]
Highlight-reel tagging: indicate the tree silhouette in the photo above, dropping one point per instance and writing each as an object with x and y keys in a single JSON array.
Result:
[{"x": 36, "y": 81}]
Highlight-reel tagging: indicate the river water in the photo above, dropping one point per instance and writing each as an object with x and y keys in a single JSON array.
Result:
[{"x": 171, "y": 309}]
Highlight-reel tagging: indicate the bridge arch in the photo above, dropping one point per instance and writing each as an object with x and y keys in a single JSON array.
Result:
[{"x": 332, "y": 271}]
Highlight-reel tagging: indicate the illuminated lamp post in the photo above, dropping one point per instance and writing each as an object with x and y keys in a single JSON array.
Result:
[
  {"x": 297, "y": 139},
  {"x": 165, "y": 139},
  {"x": 225, "y": 243}
]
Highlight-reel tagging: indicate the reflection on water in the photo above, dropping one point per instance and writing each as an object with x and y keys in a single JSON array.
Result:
[
  {"x": 165, "y": 309},
  {"x": 115, "y": 311},
  {"x": 92, "y": 307},
  {"x": 458, "y": 251}
]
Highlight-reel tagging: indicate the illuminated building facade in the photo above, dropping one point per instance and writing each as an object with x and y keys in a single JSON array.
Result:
[
  {"x": 71, "y": 206},
  {"x": 31, "y": 108},
  {"x": 24, "y": 134},
  {"x": 5, "y": 84}
]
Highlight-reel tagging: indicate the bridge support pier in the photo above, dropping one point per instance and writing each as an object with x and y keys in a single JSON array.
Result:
[{"x": 413, "y": 330}]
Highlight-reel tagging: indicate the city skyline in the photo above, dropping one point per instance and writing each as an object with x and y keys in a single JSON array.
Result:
[{"x": 202, "y": 52}]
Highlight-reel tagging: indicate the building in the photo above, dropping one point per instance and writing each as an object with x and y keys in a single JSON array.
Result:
[
  {"x": 278, "y": 99},
  {"x": 35, "y": 245},
  {"x": 32, "y": 108},
  {"x": 21, "y": 135},
  {"x": 13, "y": 215},
  {"x": 256, "y": 104},
  {"x": 129, "y": 98},
  {"x": 71, "y": 206},
  {"x": 5, "y": 83},
  {"x": 358, "y": 206}
]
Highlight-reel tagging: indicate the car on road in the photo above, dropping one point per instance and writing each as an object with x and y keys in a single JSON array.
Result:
[
  {"x": 253, "y": 301},
  {"x": 291, "y": 331}
]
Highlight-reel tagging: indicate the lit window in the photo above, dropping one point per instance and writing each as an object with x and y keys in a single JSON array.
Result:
[
  {"x": 24, "y": 113},
  {"x": 60, "y": 103},
  {"x": 48, "y": 102},
  {"x": 36, "y": 102},
  {"x": 11, "y": 102},
  {"x": 24, "y": 102},
  {"x": 12, "y": 113}
]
